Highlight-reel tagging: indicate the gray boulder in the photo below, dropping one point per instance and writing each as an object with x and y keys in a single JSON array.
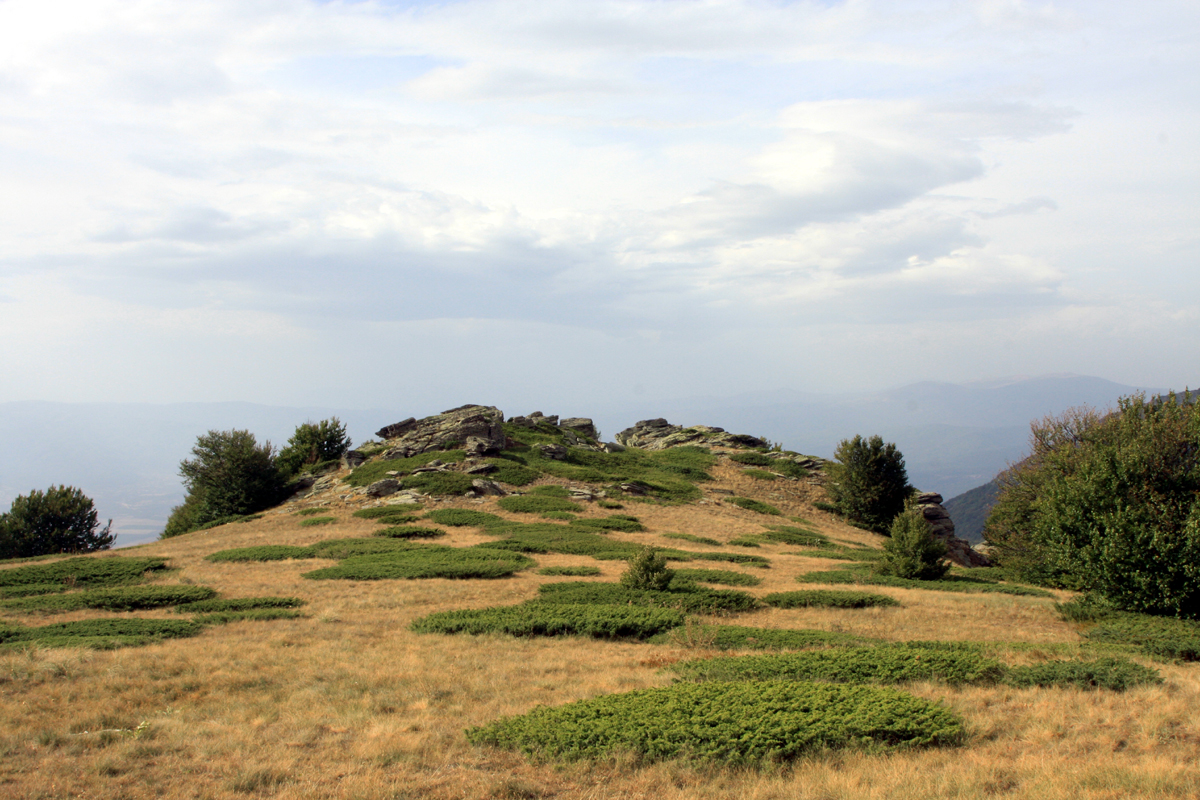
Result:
[
  {"x": 384, "y": 487},
  {"x": 580, "y": 425},
  {"x": 658, "y": 434},
  {"x": 479, "y": 428},
  {"x": 958, "y": 550}
]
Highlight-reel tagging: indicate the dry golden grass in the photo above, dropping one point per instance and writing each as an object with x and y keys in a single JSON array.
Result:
[{"x": 348, "y": 703}]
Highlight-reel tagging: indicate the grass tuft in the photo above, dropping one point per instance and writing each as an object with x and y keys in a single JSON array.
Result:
[{"x": 754, "y": 505}]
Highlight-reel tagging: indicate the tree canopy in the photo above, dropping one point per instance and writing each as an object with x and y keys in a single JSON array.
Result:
[
  {"x": 230, "y": 475},
  {"x": 868, "y": 482},
  {"x": 59, "y": 520}
]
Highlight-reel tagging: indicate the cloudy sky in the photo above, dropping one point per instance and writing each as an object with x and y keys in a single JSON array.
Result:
[{"x": 381, "y": 203}]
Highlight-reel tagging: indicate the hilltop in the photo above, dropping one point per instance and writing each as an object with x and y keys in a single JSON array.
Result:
[{"x": 381, "y": 633}]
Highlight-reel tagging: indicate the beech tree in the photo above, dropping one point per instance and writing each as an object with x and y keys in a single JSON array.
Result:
[
  {"x": 59, "y": 520},
  {"x": 868, "y": 482}
]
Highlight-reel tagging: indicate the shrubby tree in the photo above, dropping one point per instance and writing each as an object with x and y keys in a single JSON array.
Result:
[
  {"x": 313, "y": 443},
  {"x": 60, "y": 520},
  {"x": 913, "y": 551},
  {"x": 647, "y": 570},
  {"x": 1109, "y": 504},
  {"x": 230, "y": 475},
  {"x": 868, "y": 482}
]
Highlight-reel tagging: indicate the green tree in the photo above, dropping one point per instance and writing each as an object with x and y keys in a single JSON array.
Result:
[
  {"x": 1109, "y": 504},
  {"x": 60, "y": 520},
  {"x": 647, "y": 570},
  {"x": 868, "y": 482},
  {"x": 913, "y": 551},
  {"x": 231, "y": 475},
  {"x": 313, "y": 443}
]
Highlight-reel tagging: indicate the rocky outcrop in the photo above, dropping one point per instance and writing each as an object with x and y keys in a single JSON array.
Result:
[
  {"x": 581, "y": 426},
  {"x": 478, "y": 429},
  {"x": 958, "y": 550},
  {"x": 658, "y": 434}
]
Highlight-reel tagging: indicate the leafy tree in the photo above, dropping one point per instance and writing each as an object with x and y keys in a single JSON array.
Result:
[
  {"x": 647, "y": 570},
  {"x": 1109, "y": 504},
  {"x": 868, "y": 482},
  {"x": 313, "y": 443},
  {"x": 231, "y": 475},
  {"x": 60, "y": 520},
  {"x": 913, "y": 551}
]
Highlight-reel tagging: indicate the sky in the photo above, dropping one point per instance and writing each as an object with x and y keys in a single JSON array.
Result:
[{"x": 570, "y": 204}]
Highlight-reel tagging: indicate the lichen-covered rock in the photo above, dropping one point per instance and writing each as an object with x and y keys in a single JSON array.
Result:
[
  {"x": 958, "y": 550},
  {"x": 552, "y": 451},
  {"x": 580, "y": 425},
  {"x": 658, "y": 434},
  {"x": 384, "y": 487},
  {"x": 479, "y": 428}
]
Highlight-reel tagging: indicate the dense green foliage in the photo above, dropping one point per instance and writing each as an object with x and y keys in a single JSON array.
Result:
[
  {"x": 1114, "y": 674},
  {"x": 121, "y": 598},
  {"x": 456, "y": 517},
  {"x": 313, "y": 443},
  {"x": 59, "y": 520},
  {"x": 537, "y": 504},
  {"x": 751, "y": 504},
  {"x": 231, "y": 474},
  {"x": 912, "y": 551},
  {"x": 237, "y": 604},
  {"x": 579, "y": 572},
  {"x": 752, "y": 458},
  {"x": 410, "y": 532},
  {"x": 726, "y": 723},
  {"x": 829, "y": 598},
  {"x": 83, "y": 573},
  {"x": 1109, "y": 504},
  {"x": 688, "y": 537},
  {"x": 862, "y": 574},
  {"x": 264, "y": 552},
  {"x": 374, "y": 471},
  {"x": 801, "y": 537},
  {"x": 438, "y": 483},
  {"x": 1164, "y": 637},
  {"x": 724, "y": 577},
  {"x": 308, "y": 512},
  {"x": 100, "y": 634},
  {"x": 426, "y": 561},
  {"x": 693, "y": 599},
  {"x": 760, "y": 474},
  {"x": 738, "y": 637},
  {"x": 647, "y": 570},
  {"x": 617, "y": 522},
  {"x": 868, "y": 483},
  {"x": 555, "y": 619},
  {"x": 387, "y": 512},
  {"x": 732, "y": 558},
  {"x": 312, "y": 522},
  {"x": 952, "y": 663}
]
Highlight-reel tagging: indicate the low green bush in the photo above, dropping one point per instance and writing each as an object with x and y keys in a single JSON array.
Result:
[
  {"x": 949, "y": 583},
  {"x": 721, "y": 576},
  {"x": 308, "y": 512},
  {"x": 374, "y": 471},
  {"x": 512, "y": 473},
  {"x": 223, "y": 604},
  {"x": 386, "y": 511},
  {"x": 563, "y": 516},
  {"x": 1165, "y": 637},
  {"x": 746, "y": 541},
  {"x": 732, "y": 558},
  {"x": 726, "y": 723},
  {"x": 216, "y": 523},
  {"x": 265, "y": 552},
  {"x": 952, "y": 663},
  {"x": 737, "y": 637},
  {"x": 550, "y": 490},
  {"x": 789, "y": 468},
  {"x": 410, "y": 532},
  {"x": 752, "y": 459},
  {"x": 691, "y": 599},
  {"x": 463, "y": 517},
  {"x": 800, "y": 537},
  {"x": 314, "y": 521},
  {"x": 760, "y": 474},
  {"x": 537, "y": 504},
  {"x": 119, "y": 598},
  {"x": 361, "y": 546},
  {"x": 83, "y": 572},
  {"x": 31, "y": 589},
  {"x": 822, "y": 598},
  {"x": 687, "y": 537},
  {"x": 614, "y": 523},
  {"x": 837, "y": 553},
  {"x": 439, "y": 483},
  {"x": 553, "y": 538},
  {"x": 100, "y": 634},
  {"x": 251, "y": 615},
  {"x": 576, "y": 571},
  {"x": 554, "y": 619},
  {"x": 426, "y": 561},
  {"x": 609, "y": 504},
  {"x": 754, "y": 505},
  {"x": 1115, "y": 674}
]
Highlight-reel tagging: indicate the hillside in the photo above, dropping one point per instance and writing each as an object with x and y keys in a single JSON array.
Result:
[
  {"x": 326, "y": 665},
  {"x": 970, "y": 509}
]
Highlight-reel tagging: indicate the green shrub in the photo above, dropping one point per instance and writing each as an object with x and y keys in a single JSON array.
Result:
[
  {"x": 219, "y": 521},
  {"x": 720, "y": 576},
  {"x": 314, "y": 521},
  {"x": 752, "y": 459},
  {"x": 231, "y": 475},
  {"x": 819, "y": 598},
  {"x": 1165, "y": 637},
  {"x": 692, "y": 599},
  {"x": 746, "y": 541},
  {"x": 950, "y": 583},
  {"x": 754, "y": 505},
  {"x": 800, "y": 537},
  {"x": 426, "y": 561},
  {"x": 83, "y": 572},
  {"x": 512, "y": 473},
  {"x": 60, "y": 520},
  {"x": 439, "y": 483},
  {"x": 552, "y": 619},
  {"x": 313, "y": 443},
  {"x": 461, "y": 517},
  {"x": 224, "y": 604},
  {"x": 374, "y": 471},
  {"x": 252, "y": 615},
  {"x": 737, "y": 637},
  {"x": 868, "y": 483},
  {"x": 535, "y": 504},
  {"x": 760, "y": 474},
  {"x": 789, "y": 468},
  {"x": 550, "y": 490},
  {"x": 610, "y": 504},
  {"x": 726, "y": 723},
  {"x": 363, "y": 546},
  {"x": 562, "y": 516},
  {"x": 101, "y": 634},
  {"x": 687, "y": 537},
  {"x": 379, "y": 512},
  {"x": 121, "y": 598},
  {"x": 406, "y": 532},
  {"x": 576, "y": 571},
  {"x": 952, "y": 663},
  {"x": 553, "y": 538},
  {"x": 733, "y": 558},
  {"x": 613, "y": 523},
  {"x": 308, "y": 512},
  {"x": 912, "y": 551},
  {"x": 265, "y": 552},
  {"x": 1115, "y": 674},
  {"x": 647, "y": 570},
  {"x": 31, "y": 590}
]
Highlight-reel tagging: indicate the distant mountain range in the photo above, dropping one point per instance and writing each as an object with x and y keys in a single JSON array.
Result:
[{"x": 126, "y": 456}]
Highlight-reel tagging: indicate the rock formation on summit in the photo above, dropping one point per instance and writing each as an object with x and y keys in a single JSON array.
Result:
[
  {"x": 959, "y": 550},
  {"x": 658, "y": 434},
  {"x": 477, "y": 429}
]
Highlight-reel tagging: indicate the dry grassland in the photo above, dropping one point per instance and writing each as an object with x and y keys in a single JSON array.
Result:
[{"x": 348, "y": 703}]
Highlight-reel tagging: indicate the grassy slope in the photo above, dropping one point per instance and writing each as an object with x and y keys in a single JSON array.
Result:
[{"x": 348, "y": 702}]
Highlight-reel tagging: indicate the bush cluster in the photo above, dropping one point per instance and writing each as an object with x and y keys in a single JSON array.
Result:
[
  {"x": 555, "y": 619},
  {"x": 1114, "y": 674},
  {"x": 83, "y": 572},
  {"x": 724, "y": 577},
  {"x": 692, "y": 599},
  {"x": 122, "y": 598},
  {"x": 726, "y": 723},
  {"x": 617, "y": 522},
  {"x": 426, "y": 561},
  {"x": 862, "y": 574},
  {"x": 537, "y": 504},
  {"x": 754, "y": 505},
  {"x": 230, "y": 475},
  {"x": 100, "y": 634},
  {"x": 912, "y": 551},
  {"x": 579, "y": 572},
  {"x": 738, "y": 637},
  {"x": 826, "y": 598}
]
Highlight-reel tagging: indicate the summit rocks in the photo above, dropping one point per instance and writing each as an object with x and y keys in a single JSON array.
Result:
[
  {"x": 658, "y": 434},
  {"x": 477, "y": 429}
]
